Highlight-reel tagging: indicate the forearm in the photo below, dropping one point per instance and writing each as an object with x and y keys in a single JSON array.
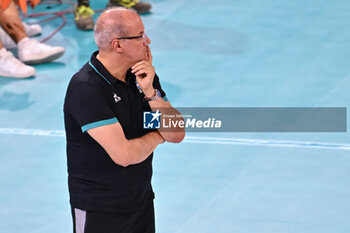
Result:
[
  {"x": 138, "y": 149},
  {"x": 122, "y": 151},
  {"x": 174, "y": 134}
]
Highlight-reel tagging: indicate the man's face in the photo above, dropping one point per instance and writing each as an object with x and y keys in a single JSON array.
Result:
[{"x": 136, "y": 49}]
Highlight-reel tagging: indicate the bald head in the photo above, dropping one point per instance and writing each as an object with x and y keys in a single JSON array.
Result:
[{"x": 114, "y": 22}]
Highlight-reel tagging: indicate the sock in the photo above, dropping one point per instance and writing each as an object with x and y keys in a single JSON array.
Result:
[{"x": 20, "y": 43}]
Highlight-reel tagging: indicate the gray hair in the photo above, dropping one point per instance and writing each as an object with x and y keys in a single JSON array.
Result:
[{"x": 111, "y": 24}]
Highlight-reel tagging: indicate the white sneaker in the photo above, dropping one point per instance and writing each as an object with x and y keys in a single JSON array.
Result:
[
  {"x": 6, "y": 40},
  {"x": 11, "y": 67},
  {"x": 31, "y": 51},
  {"x": 32, "y": 29}
]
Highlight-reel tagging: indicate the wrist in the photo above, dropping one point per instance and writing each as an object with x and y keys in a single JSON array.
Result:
[
  {"x": 157, "y": 95},
  {"x": 161, "y": 139},
  {"x": 150, "y": 93}
]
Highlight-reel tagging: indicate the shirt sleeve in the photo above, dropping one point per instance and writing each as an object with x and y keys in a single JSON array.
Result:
[
  {"x": 90, "y": 107},
  {"x": 156, "y": 85}
]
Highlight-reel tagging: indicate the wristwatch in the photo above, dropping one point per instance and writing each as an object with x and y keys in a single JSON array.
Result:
[{"x": 156, "y": 96}]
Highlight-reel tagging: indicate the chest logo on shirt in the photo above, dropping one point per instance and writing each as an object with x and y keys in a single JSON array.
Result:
[{"x": 116, "y": 97}]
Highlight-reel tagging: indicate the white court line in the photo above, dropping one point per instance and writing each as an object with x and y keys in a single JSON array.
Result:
[
  {"x": 35, "y": 132},
  {"x": 206, "y": 140}
]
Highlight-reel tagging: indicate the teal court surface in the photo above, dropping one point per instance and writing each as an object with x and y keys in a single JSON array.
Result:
[{"x": 229, "y": 53}]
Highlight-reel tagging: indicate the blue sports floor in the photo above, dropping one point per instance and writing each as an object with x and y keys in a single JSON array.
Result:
[{"x": 233, "y": 53}]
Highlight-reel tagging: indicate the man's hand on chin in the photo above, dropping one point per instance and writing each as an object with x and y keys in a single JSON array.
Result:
[{"x": 144, "y": 72}]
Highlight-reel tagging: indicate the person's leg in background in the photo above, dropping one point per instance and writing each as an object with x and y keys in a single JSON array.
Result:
[
  {"x": 11, "y": 23},
  {"x": 83, "y": 16},
  {"x": 29, "y": 50},
  {"x": 9, "y": 65},
  {"x": 13, "y": 29},
  {"x": 83, "y": 12}
]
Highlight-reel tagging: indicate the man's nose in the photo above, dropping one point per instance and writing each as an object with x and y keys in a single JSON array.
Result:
[{"x": 147, "y": 40}]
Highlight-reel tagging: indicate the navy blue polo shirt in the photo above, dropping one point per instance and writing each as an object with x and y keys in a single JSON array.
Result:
[{"x": 95, "y": 98}]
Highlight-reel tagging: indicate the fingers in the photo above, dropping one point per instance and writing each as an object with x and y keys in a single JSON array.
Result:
[
  {"x": 144, "y": 69},
  {"x": 142, "y": 72},
  {"x": 138, "y": 65},
  {"x": 149, "y": 55},
  {"x": 144, "y": 66}
]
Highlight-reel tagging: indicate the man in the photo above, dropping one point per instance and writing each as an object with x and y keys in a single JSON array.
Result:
[
  {"x": 109, "y": 153},
  {"x": 83, "y": 13}
]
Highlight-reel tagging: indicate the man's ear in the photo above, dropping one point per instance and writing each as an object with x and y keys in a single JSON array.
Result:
[{"x": 117, "y": 45}]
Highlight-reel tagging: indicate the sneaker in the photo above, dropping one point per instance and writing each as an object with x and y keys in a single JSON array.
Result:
[
  {"x": 83, "y": 18},
  {"x": 32, "y": 29},
  {"x": 140, "y": 7},
  {"x": 11, "y": 67},
  {"x": 6, "y": 40},
  {"x": 31, "y": 51}
]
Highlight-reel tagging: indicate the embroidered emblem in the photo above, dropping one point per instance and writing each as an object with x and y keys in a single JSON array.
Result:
[{"x": 116, "y": 97}]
